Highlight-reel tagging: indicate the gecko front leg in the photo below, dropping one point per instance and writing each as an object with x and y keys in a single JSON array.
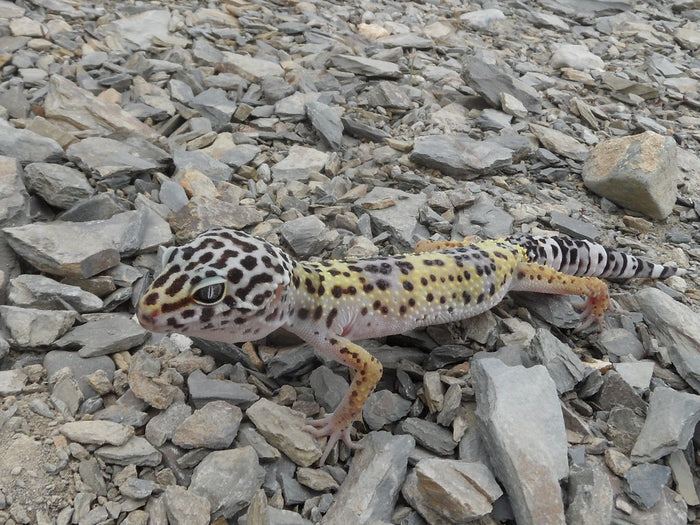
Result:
[{"x": 368, "y": 372}]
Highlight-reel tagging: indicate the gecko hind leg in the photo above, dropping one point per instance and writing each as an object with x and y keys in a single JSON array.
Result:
[{"x": 533, "y": 277}]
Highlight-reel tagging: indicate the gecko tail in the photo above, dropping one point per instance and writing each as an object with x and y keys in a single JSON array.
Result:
[{"x": 588, "y": 259}]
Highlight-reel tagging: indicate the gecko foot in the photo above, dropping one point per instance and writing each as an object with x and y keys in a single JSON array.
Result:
[{"x": 326, "y": 426}]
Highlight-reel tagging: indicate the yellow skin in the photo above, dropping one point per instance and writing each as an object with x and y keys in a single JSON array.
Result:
[{"x": 231, "y": 287}]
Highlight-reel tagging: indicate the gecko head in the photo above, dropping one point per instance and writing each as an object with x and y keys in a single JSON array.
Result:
[{"x": 225, "y": 285}]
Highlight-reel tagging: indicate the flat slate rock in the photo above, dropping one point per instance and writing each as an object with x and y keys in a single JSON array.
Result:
[{"x": 104, "y": 336}]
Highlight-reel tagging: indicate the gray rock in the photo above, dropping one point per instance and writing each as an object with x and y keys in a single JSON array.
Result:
[
  {"x": 248, "y": 436},
  {"x": 106, "y": 157},
  {"x": 66, "y": 396},
  {"x": 677, "y": 327},
  {"x": 101, "y": 206},
  {"x": 574, "y": 227},
  {"x": 66, "y": 101},
  {"x": 368, "y": 67},
  {"x": 623, "y": 427},
  {"x": 80, "y": 367},
  {"x": 37, "y": 291},
  {"x": 637, "y": 172},
  {"x": 306, "y": 236},
  {"x": 149, "y": 383},
  {"x": 591, "y": 495},
  {"x": 644, "y": 483},
  {"x": 577, "y": 57},
  {"x": 13, "y": 195},
  {"x": 136, "y": 451},
  {"x": 618, "y": 342},
  {"x": 214, "y": 105},
  {"x": 564, "y": 366},
  {"x": 203, "y": 390},
  {"x": 92, "y": 476},
  {"x": 27, "y": 146},
  {"x": 384, "y": 407},
  {"x": 31, "y": 327},
  {"x": 670, "y": 423},
  {"x": 253, "y": 69},
  {"x": 363, "y": 131},
  {"x": 484, "y": 217},
  {"x": 202, "y": 213},
  {"x": 490, "y": 81},
  {"x": 282, "y": 428},
  {"x": 327, "y": 123},
  {"x": 430, "y": 435},
  {"x": 58, "y": 185},
  {"x": 215, "y": 426},
  {"x": 104, "y": 336},
  {"x": 228, "y": 479},
  {"x": 637, "y": 374},
  {"x": 460, "y": 156},
  {"x": 530, "y": 463},
  {"x": 136, "y": 488},
  {"x": 299, "y": 163},
  {"x": 216, "y": 170},
  {"x": 161, "y": 427},
  {"x": 617, "y": 392},
  {"x": 395, "y": 211},
  {"x": 329, "y": 388},
  {"x": 560, "y": 143},
  {"x": 12, "y": 381},
  {"x": 184, "y": 507},
  {"x": 451, "y": 491},
  {"x": 372, "y": 486},
  {"x": 97, "y": 432},
  {"x": 239, "y": 155},
  {"x": 670, "y": 510},
  {"x": 387, "y": 94}
]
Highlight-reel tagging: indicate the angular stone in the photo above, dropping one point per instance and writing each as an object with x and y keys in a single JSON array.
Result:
[
  {"x": 105, "y": 336},
  {"x": 228, "y": 479},
  {"x": 151, "y": 384},
  {"x": 637, "y": 172},
  {"x": 451, "y": 491},
  {"x": 253, "y": 69},
  {"x": 368, "y": 67},
  {"x": 299, "y": 163},
  {"x": 97, "y": 432},
  {"x": 161, "y": 427},
  {"x": 670, "y": 423},
  {"x": 590, "y": 495},
  {"x": 204, "y": 389},
  {"x": 490, "y": 81},
  {"x": 396, "y": 212},
  {"x": 530, "y": 463},
  {"x": 136, "y": 451},
  {"x": 371, "y": 488},
  {"x": 184, "y": 507},
  {"x": 215, "y": 105},
  {"x": 142, "y": 29},
  {"x": 576, "y": 56},
  {"x": 560, "y": 143},
  {"x": 67, "y": 102},
  {"x": 327, "y": 123},
  {"x": 430, "y": 435},
  {"x": 27, "y": 146},
  {"x": 306, "y": 236},
  {"x": 13, "y": 195},
  {"x": 214, "y": 426},
  {"x": 459, "y": 155},
  {"x": 12, "y": 382},
  {"x": 106, "y": 157},
  {"x": 202, "y": 213},
  {"x": 645, "y": 483},
  {"x": 31, "y": 327},
  {"x": 564, "y": 366},
  {"x": 80, "y": 368},
  {"x": 37, "y": 291},
  {"x": 60, "y": 186},
  {"x": 200, "y": 161},
  {"x": 282, "y": 427},
  {"x": 384, "y": 407}
]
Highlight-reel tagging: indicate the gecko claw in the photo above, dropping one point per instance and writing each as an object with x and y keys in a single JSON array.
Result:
[{"x": 326, "y": 427}]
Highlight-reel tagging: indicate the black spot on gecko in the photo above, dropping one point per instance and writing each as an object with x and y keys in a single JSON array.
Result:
[
  {"x": 303, "y": 313},
  {"x": 249, "y": 262},
  {"x": 408, "y": 285},
  {"x": 176, "y": 285},
  {"x": 337, "y": 291},
  {"x": 331, "y": 317},
  {"x": 318, "y": 313}
]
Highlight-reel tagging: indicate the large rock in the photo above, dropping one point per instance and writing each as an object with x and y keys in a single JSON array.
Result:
[
  {"x": 460, "y": 156},
  {"x": 27, "y": 146},
  {"x": 60, "y": 186},
  {"x": 637, "y": 172},
  {"x": 523, "y": 430},
  {"x": 69, "y": 103}
]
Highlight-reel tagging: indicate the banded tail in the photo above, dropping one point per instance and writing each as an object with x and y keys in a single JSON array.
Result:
[{"x": 588, "y": 259}]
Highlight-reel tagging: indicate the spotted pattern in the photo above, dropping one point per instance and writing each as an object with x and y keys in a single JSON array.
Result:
[{"x": 228, "y": 286}]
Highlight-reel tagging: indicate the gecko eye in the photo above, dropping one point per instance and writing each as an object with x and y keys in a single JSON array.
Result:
[{"x": 209, "y": 291}]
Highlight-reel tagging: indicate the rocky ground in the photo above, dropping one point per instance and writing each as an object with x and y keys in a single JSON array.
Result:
[{"x": 346, "y": 129}]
